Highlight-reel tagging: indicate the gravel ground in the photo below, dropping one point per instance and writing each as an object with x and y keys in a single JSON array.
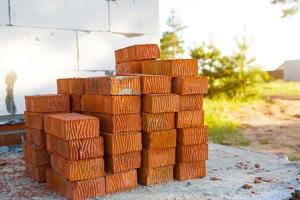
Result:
[{"x": 227, "y": 171}]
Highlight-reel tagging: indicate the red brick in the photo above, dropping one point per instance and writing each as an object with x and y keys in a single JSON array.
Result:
[
  {"x": 174, "y": 68},
  {"x": 34, "y": 120},
  {"x": 122, "y": 162},
  {"x": 158, "y": 121},
  {"x": 36, "y": 137},
  {"x": 122, "y": 142},
  {"x": 75, "y": 101},
  {"x": 190, "y": 170},
  {"x": 12, "y": 127},
  {"x": 160, "y": 103},
  {"x": 191, "y": 153},
  {"x": 48, "y": 103},
  {"x": 37, "y": 156},
  {"x": 129, "y": 67},
  {"x": 121, "y": 181},
  {"x": 159, "y": 139},
  {"x": 190, "y": 85},
  {"x": 10, "y": 139},
  {"x": 70, "y": 86},
  {"x": 190, "y": 136},
  {"x": 112, "y": 105},
  {"x": 79, "y": 169},
  {"x": 38, "y": 173},
  {"x": 158, "y": 157},
  {"x": 191, "y": 102},
  {"x": 76, "y": 149},
  {"x": 150, "y": 176},
  {"x": 71, "y": 126},
  {"x": 189, "y": 119},
  {"x": 75, "y": 190}
]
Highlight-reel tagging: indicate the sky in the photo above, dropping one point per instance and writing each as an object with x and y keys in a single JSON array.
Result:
[{"x": 273, "y": 39}]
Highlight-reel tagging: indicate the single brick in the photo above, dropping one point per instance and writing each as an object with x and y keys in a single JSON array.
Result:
[
  {"x": 160, "y": 103},
  {"x": 79, "y": 169},
  {"x": 191, "y": 153},
  {"x": 189, "y": 119},
  {"x": 48, "y": 103},
  {"x": 122, "y": 162},
  {"x": 37, "y": 156},
  {"x": 129, "y": 67},
  {"x": 76, "y": 149},
  {"x": 38, "y": 173},
  {"x": 75, "y": 190},
  {"x": 112, "y": 105},
  {"x": 158, "y": 121},
  {"x": 122, "y": 142},
  {"x": 190, "y": 85},
  {"x": 150, "y": 176},
  {"x": 159, "y": 139},
  {"x": 36, "y": 137},
  {"x": 75, "y": 101},
  {"x": 191, "y": 136},
  {"x": 137, "y": 52},
  {"x": 10, "y": 139},
  {"x": 70, "y": 86},
  {"x": 121, "y": 181},
  {"x": 190, "y": 170},
  {"x": 34, "y": 120},
  {"x": 71, "y": 126},
  {"x": 158, "y": 157},
  {"x": 191, "y": 102},
  {"x": 174, "y": 68}
]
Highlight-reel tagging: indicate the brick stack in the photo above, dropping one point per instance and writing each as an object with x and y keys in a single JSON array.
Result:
[
  {"x": 116, "y": 101},
  {"x": 37, "y": 158},
  {"x": 77, "y": 151}
]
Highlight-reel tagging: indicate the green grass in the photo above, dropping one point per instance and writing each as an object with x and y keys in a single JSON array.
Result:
[
  {"x": 264, "y": 141},
  {"x": 280, "y": 87}
]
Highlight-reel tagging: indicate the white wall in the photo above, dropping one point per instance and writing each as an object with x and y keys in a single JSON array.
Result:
[{"x": 291, "y": 70}]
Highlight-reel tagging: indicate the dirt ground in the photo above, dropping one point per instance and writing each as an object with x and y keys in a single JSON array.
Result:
[{"x": 273, "y": 127}]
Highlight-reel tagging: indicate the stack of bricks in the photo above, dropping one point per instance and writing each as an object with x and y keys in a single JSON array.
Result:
[
  {"x": 76, "y": 151},
  {"x": 37, "y": 158},
  {"x": 116, "y": 101}
]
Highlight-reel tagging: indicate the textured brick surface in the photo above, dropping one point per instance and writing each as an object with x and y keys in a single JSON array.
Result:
[
  {"x": 122, "y": 142},
  {"x": 34, "y": 120},
  {"x": 191, "y": 153},
  {"x": 36, "y": 137},
  {"x": 75, "y": 101},
  {"x": 79, "y": 169},
  {"x": 76, "y": 149},
  {"x": 190, "y": 85},
  {"x": 137, "y": 52},
  {"x": 37, "y": 156},
  {"x": 159, "y": 139},
  {"x": 158, "y": 157},
  {"x": 129, "y": 67},
  {"x": 190, "y": 136},
  {"x": 111, "y": 104},
  {"x": 160, "y": 103},
  {"x": 191, "y": 102},
  {"x": 70, "y": 86},
  {"x": 38, "y": 173},
  {"x": 10, "y": 139},
  {"x": 150, "y": 176},
  {"x": 174, "y": 68},
  {"x": 75, "y": 190},
  {"x": 121, "y": 181},
  {"x": 122, "y": 162},
  {"x": 48, "y": 103},
  {"x": 158, "y": 121},
  {"x": 189, "y": 119},
  {"x": 191, "y": 170},
  {"x": 71, "y": 126},
  {"x": 156, "y": 84}
]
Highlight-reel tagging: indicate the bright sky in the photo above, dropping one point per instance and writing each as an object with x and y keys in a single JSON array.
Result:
[{"x": 273, "y": 39}]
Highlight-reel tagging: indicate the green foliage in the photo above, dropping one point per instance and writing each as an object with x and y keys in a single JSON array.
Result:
[
  {"x": 280, "y": 87},
  {"x": 291, "y": 7},
  {"x": 171, "y": 43}
]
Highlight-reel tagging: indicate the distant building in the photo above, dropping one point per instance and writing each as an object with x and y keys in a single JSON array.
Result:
[{"x": 289, "y": 71}]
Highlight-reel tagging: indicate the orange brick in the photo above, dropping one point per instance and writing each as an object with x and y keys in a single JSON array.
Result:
[
  {"x": 150, "y": 176},
  {"x": 190, "y": 136},
  {"x": 70, "y": 86},
  {"x": 189, "y": 119},
  {"x": 158, "y": 157},
  {"x": 76, "y": 149},
  {"x": 122, "y": 162},
  {"x": 37, "y": 156},
  {"x": 191, "y": 153},
  {"x": 190, "y": 170},
  {"x": 160, "y": 103},
  {"x": 71, "y": 126},
  {"x": 75, "y": 190},
  {"x": 159, "y": 139},
  {"x": 174, "y": 68},
  {"x": 158, "y": 121},
  {"x": 48, "y": 103},
  {"x": 190, "y": 85},
  {"x": 137, "y": 52},
  {"x": 38, "y": 173},
  {"x": 34, "y": 120},
  {"x": 36, "y": 137},
  {"x": 78, "y": 169},
  {"x": 122, "y": 142},
  {"x": 75, "y": 101},
  {"x": 129, "y": 67},
  {"x": 112, "y": 105},
  {"x": 191, "y": 102},
  {"x": 121, "y": 181},
  {"x": 10, "y": 139}
]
